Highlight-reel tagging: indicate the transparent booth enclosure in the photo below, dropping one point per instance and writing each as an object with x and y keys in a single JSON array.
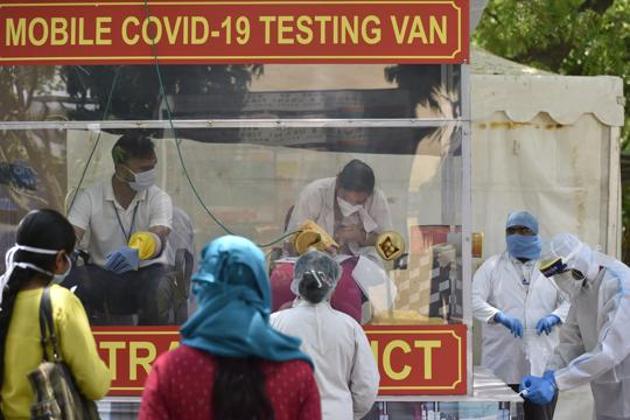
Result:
[{"x": 241, "y": 142}]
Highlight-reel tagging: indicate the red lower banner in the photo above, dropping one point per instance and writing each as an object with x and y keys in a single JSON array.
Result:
[
  {"x": 412, "y": 360},
  {"x": 420, "y": 359}
]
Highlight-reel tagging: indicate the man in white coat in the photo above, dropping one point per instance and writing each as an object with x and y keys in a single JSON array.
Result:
[
  {"x": 595, "y": 341},
  {"x": 349, "y": 207},
  {"x": 519, "y": 309},
  {"x": 353, "y": 210},
  {"x": 345, "y": 369}
]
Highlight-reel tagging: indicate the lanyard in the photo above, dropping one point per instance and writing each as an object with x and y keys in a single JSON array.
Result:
[{"x": 133, "y": 221}]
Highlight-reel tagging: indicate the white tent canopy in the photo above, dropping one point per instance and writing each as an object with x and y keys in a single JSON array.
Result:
[{"x": 548, "y": 144}]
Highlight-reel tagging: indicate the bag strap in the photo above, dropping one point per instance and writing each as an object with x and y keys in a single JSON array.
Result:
[{"x": 47, "y": 326}]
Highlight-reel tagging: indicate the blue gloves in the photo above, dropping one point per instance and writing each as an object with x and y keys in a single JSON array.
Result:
[
  {"x": 511, "y": 323},
  {"x": 546, "y": 324},
  {"x": 123, "y": 260},
  {"x": 539, "y": 390}
]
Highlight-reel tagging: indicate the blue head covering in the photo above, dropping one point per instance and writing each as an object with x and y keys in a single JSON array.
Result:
[
  {"x": 522, "y": 246},
  {"x": 232, "y": 291},
  {"x": 522, "y": 218}
]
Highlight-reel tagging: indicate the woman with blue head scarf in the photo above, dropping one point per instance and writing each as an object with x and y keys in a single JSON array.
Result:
[
  {"x": 518, "y": 308},
  {"x": 345, "y": 369},
  {"x": 232, "y": 364}
]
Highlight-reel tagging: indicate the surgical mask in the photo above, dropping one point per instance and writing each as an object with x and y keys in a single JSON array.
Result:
[
  {"x": 59, "y": 278},
  {"x": 142, "y": 180},
  {"x": 522, "y": 246},
  {"x": 10, "y": 264},
  {"x": 346, "y": 208}
]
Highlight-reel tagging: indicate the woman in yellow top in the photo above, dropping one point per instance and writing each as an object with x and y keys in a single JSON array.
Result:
[{"x": 44, "y": 240}]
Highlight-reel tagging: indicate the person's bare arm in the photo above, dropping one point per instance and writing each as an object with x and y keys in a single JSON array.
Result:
[{"x": 162, "y": 232}]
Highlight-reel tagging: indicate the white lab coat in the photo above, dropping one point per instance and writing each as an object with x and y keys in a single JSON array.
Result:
[
  {"x": 595, "y": 341},
  {"x": 498, "y": 287},
  {"x": 317, "y": 203},
  {"x": 345, "y": 369}
]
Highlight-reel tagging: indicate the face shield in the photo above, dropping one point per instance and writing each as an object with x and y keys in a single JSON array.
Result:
[{"x": 566, "y": 261}]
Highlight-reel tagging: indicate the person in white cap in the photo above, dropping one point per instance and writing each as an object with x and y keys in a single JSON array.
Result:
[
  {"x": 519, "y": 308},
  {"x": 350, "y": 207},
  {"x": 345, "y": 369},
  {"x": 595, "y": 341}
]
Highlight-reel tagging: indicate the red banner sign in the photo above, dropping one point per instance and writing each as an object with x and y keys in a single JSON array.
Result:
[
  {"x": 234, "y": 31},
  {"x": 412, "y": 360},
  {"x": 421, "y": 359},
  {"x": 130, "y": 351}
]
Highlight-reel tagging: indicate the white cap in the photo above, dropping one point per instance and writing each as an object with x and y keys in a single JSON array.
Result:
[{"x": 326, "y": 268}]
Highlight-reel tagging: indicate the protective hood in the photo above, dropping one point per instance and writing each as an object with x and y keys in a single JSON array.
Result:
[
  {"x": 522, "y": 218},
  {"x": 573, "y": 253},
  {"x": 523, "y": 246},
  {"x": 570, "y": 263}
]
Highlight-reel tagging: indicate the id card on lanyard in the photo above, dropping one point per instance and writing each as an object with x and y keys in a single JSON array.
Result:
[{"x": 126, "y": 234}]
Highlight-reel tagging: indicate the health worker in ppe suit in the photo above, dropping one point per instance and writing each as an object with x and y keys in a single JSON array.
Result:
[
  {"x": 595, "y": 340},
  {"x": 124, "y": 222},
  {"x": 519, "y": 308},
  {"x": 345, "y": 370}
]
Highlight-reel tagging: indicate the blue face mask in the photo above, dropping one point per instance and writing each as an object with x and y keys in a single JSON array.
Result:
[{"x": 521, "y": 246}]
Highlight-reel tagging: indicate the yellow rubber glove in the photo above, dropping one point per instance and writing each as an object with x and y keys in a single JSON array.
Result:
[
  {"x": 311, "y": 235},
  {"x": 390, "y": 245},
  {"x": 148, "y": 244}
]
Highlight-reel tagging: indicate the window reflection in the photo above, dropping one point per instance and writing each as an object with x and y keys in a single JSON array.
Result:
[{"x": 230, "y": 91}]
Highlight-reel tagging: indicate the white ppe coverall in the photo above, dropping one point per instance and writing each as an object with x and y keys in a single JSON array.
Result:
[
  {"x": 595, "y": 340},
  {"x": 345, "y": 369},
  {"x": 498, "y": 287}
]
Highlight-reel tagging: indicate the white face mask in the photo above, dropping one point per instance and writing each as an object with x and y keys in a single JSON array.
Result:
[
  {"x": 142, "y": 180},
  {"x": 59, "y": 278},
  {"x": 567, "y": 283},
  {"x": 10, "y": 264},
  {"x": 346, "y": 208}
]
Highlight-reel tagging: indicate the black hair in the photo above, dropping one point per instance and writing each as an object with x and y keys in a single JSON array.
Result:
[
  {"x": 43, "y": 228},
  {"x": 132, "y": 146},
  {"x": 239, "y": 390},
  {"x": 311, "y": 289},
  {"x": 357, "y": 176}
]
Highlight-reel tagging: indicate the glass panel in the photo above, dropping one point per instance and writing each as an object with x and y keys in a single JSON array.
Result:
[
  {"x": 446, "y": 410},
  {"x": 32, "y": 175},
  {"x": 482, "y": 410},
  {"x": 230, "y": 91},
  {"x": 251, "y": 179}
]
